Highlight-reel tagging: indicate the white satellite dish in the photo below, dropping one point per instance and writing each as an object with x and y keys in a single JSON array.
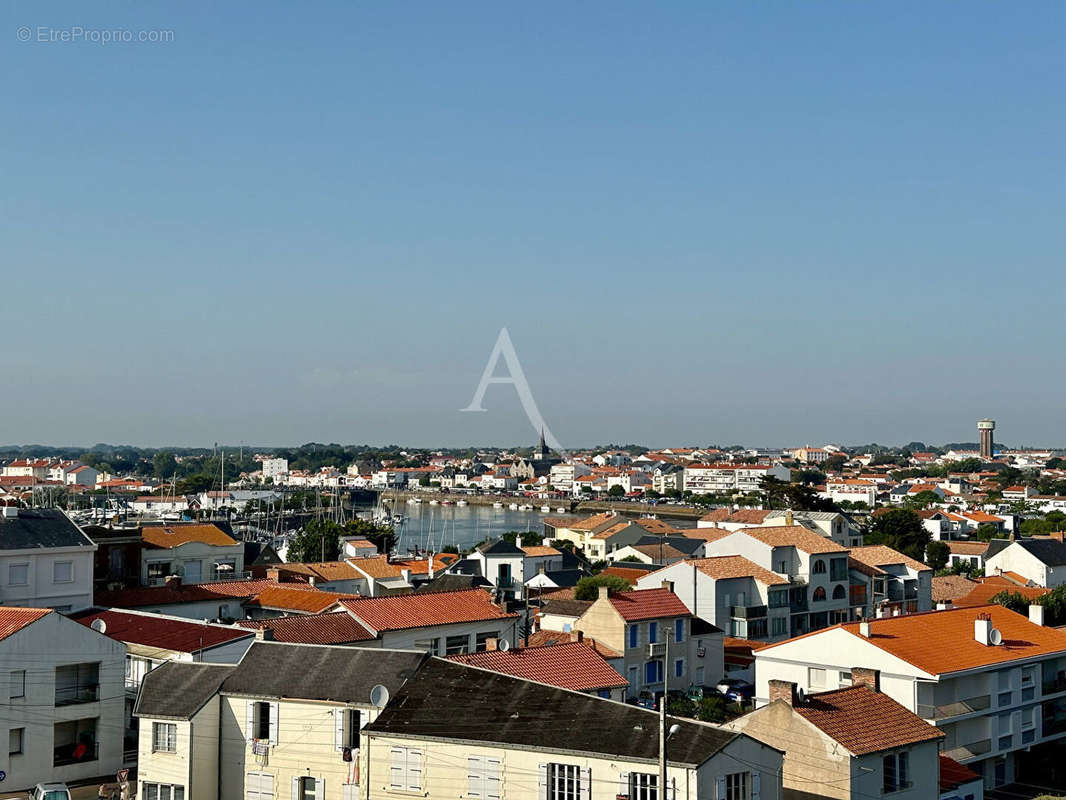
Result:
[
  {"x": 504, "y": 645},
  {"x": 99, "y": 626},
  {"x": 995, "y": 637},
  {"x": 379, "y": 696}
]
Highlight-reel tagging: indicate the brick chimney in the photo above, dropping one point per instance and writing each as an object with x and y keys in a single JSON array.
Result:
[
  {"x": 264, "y": 634},
  {"x": 274, "y": 574},
  {"x": 783, "y": 690},
  {"x": 577, "y": 636},
  {"x": 864, "y": 676},
  {"x": 668, "y": 585}
]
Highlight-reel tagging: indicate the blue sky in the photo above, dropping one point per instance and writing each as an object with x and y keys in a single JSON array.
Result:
[{"x": 700, "y": 221}]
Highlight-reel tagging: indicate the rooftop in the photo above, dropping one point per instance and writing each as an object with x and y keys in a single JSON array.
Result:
[
  {"x": 167, "y": 536},
  {"x": 281, "y": 598},
  {"x": 722, "y": 567},
  {"x": 178, "y": 689},
  {"x": 794, "y": 536},
  {"x": 40, "y": 528},
  {"x": 154, "y": 630},
  {"x": 335, "y": 627},
  {"x": 12, "y": 620},
  {"x": 545, "y": 637},
  {"x": 648, "y": 604},
  {"x": 879, "y": 555},
  {"x": 568, "y": 665},
  {"x": 425, "y": 609}
]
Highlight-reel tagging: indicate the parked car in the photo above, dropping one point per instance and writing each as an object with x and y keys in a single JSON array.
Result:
[
  {"x": 50, "y": 791},
  {"x": 736, "y": 690}
]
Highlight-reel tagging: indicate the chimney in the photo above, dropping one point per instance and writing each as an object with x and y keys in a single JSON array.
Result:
[
  {"x": 602, "y": 592},
  {"x": 429, "y": 565},
  {"x": 943, "y": 605},
  {"x": 264, "y": 634},
  {"x": 863, "y": 676},
  {"x": 173, "y": 582},
  {"x": 783, "y": 690},
  {"x": 577, "y": 636},
  {"x": 788, "y": 517},
  {"x": 313, "y": 581},
  {"x": 406, "y": 575},
  {"x": 1036, "y": 613},
  {"x": 492, "y": 644},
  {"x": 1056, "y": 535},
  {"x": 864, "y": 629},
  {"x": 982, "y": 629},
  {"x": 668, "y": 585},
  {"x": 274, "y": 575}
]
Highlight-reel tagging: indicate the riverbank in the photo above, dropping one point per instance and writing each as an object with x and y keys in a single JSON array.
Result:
[{"x": 663, "y": 511}]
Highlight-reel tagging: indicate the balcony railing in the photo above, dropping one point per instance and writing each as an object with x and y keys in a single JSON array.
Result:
[
  {"x": 748, "y": 612},
  {"x": 1054, "y": 685},
  {"x": 971, "y": 750},
  {"x": 72, "y": 695},
  {"x": 74, "y": 754},
  {"x": 969, "y": 706}
]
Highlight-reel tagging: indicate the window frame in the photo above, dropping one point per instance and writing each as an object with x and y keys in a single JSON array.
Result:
[
  {"x": 25, "y": 565},
  {"x": 169, "y": 738},
  {"x": 483, "y": 777},
  {"x": 55, "y": 571},
  {"x": 643, "y": 786},
  {"x": 22, "y": 684},
  {"x": 173, "y": 788},
  {"x": 452, "y": 647},
  {"x": 21, "y": 731},
  {"x": 563, "y": 781}
]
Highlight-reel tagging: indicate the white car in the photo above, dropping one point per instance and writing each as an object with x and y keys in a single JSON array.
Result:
[{"x": 50, "y": 791}]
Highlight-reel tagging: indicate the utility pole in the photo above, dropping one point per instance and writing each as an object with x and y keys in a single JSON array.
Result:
[{"x": 661, "y": 795}]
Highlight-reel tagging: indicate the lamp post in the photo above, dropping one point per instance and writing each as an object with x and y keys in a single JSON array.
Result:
[{"x": 664, "y": 735}]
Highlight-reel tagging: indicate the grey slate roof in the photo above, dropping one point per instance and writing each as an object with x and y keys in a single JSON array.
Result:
[
  {"x": 448, "y": 582},
  {"x": 447, "y": 700},
  {"x": 997, "y": 546},
  {"x": 312, "y": 672},
  {"x": 500, "y": 547},
  {"x": 178, "y": 689},
  {"x": 40, "y": 527},
  {"x": 1049, "y": 551},
  {"x": 565, "y": 607}
]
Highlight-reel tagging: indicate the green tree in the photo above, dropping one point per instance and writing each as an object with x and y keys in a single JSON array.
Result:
[
  {"x": 986, "y": 532},
  {"x": 1015, "y": 601},
  {"x": 923, "y": 499},
  {"x": 937, "y": 555},
  {"x": 616, "y": 491},
  {"x": 164, "y": 465},
  {"x": 902, "y": 530},
  {"x": 318, "y": 540},
  {"x": 588, "y": 588}
]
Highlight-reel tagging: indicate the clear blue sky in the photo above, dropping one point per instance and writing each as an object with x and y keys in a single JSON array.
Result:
[{"x": 700, "y": 221}]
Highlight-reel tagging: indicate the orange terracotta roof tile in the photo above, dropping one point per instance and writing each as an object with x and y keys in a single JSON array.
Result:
[
  {"x": 879, "y": 555},
  {"x": 301, "y": 600},
  {"x": 167, "y": 536},
  {"x": 794, "y": 536},
  {"x": 724, "y": 567},
  {"x": 431, "y": 608},
  {"x": 953, "y": 774},
  {"x": 865, "y": 721},
  {"x": 541, "y": 550},
  {"x": 571, "y": 665},
  {"x": 982, "y": 593},
  {"x": 630, "y": 574},
  {"x": 950, "y": 587},
  {"x": 335, "y": 627},
  {"x": 545, "y": 637},
  {"x": 648, "y": 604},
  {"x": 12, "y": 620},
  {"x": 967, "y": 548}
]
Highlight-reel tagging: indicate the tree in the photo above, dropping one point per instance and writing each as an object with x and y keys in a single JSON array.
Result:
[
  {"x": 902, "y": 530},
  {"x": 318, "y": 540},
  {"x": 164, "y": 465},
  {"x": 937, "y": 555},
  {"x": 923, "y": 499},
  {"x": 1015, "y": 601},
  {"x": 616, "y": 491},
  {"x": 588, "y": 588},
  {"x": 986, "y": 532}
]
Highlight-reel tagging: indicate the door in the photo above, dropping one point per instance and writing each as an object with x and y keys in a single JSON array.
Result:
[
  {"x": 259, "y": 786},
  {"x": 699, "y": 676}
]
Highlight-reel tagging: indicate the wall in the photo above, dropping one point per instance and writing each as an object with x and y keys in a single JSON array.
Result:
[
  {"x": 174, "y": 768},
  {"x": 405, "y": 639},
  {"x": 203, "y": 781},
  {"x": 38, "y": 649},
  {"x": 205, "y": 554},
  {"x": 41, "y": 591}
]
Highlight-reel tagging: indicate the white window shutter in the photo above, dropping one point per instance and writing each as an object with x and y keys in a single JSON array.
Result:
[
  {"x": 623, "y": 783},
  {"x": 320, "y": 789},
  {"x": 414, "y": 770},
  {"x": 251, "y": 720},
  {"x": 492, "y": 779},
  {"x": 338, "y": 727},
  {"x": 586, "y": 783},
  {"x": 755, "y": 786},
  {"x": 542, "y": 784},
  {"x": 274, "y": 723},
  {"x": 295, "y": 789},
  {"x": 474, "y": 777},
  {"x": 721, "y": 789},
  {"x": 398, "y": 768}
]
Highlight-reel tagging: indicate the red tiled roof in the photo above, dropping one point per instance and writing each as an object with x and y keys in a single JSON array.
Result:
[
  {"x": 571, "y": 665},
  {"x": 865, "y": 721},
  {"x": 953, "y": 774},
  {"x": 183, "y": 636},
  {"x": 286, "y": 599},
  {"x": 951, "y": 587},
  {"x": 168, "y": 536},
  {"x": 541, "y": 550},
  {"x": 983, "y": 592},
  {"x": 879, "y": 555},
  {"x": 335, "y": 627},
  {"x": 625, "y": 573},
  {"x": 430, "y": 608},
  {"x": 745, "y": 516},
  {"x": 648, "y": 604},
  {"x": 908, "y": 636},
  {"x": 794, "y": 536},
  {"x": 12, "y": 620},
  {"x": 545, "y": 637},
  {"x": 191, "y": 593}
]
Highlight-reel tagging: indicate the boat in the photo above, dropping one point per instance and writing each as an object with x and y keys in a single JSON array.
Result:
[
  {"x": 433, "y": 502},
  {"x": 513, "y": 506},
  {"x": 560, "y": 510},
  {"x": 460, "y": 502},
  {"x": 525, "y": 507},
  {"x": 416, "y": 500},
  {"x": 412, "y": 499},
  {"x": 497, "y": 504},
  {"x": 545, "y": 509},
  {"x": 445, "y": 502}
]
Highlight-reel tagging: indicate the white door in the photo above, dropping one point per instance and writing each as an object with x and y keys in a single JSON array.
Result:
[{"x": 259, "y": 786}]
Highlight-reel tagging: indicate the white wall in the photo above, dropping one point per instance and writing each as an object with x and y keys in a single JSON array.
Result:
[{"x": 41, "y": 590}]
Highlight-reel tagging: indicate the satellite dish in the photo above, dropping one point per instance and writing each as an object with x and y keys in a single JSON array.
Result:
[
  {"x": 995, "y": 637},
  {"x": 379, "y": 696},
  {"x": 503, "y": 645},
  {"x": 99, "y": 626}
]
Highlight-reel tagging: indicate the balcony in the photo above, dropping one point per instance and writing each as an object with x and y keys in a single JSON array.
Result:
[
  {"x": 748, "y": 612},
  {"x": 857, "y": 595},
  {"x": 971, "y": 705},
  {"x": 73, "y": 695},
  {"x": 1055, "y": 685},
  {"x": 971, "y": 750},
  {"x": 75, "y": 754}
]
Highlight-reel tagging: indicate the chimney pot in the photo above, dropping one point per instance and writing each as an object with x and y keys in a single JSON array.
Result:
[
  {"x": 864, "y": 676},
  {"x": 783, "y": 690},
  {"x": 264, "y": 634},
  {"x": 1036, "y": 613},
  {"x": 668, "y": 585},
  {"x": 603, "y": 592},
  {"x": 864, "y": 628}
]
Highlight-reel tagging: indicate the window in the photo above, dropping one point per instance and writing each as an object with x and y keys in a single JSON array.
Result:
[
  {"x": 779, "y": 626},
  {"x": 845, "y": 679},
  {"x": 431, "y": 646},
  {"x": 349, "y": 723},
  {"x": 737, "y": 786},
  {"x": 634, "y": 636},
  {"x": 643, "y": 786},
  {"x": 564, "y": 782},
  {"x": 483, "y": 777},
  {"x": 482, "y": 640},
  {"x": 779, "y": 599},
  {"x": 653, "y": 672},
  {"x": 18, "y": 574},
  {"x": 895, "y": 772},
  {"x": 1005, "y": 698},
  {"x": 15, "y": 737},
  {"x": 839, "y": 593},
  {"x": 262, "y": 722},
  {"x": 679, "y": 630},
  {"x": 158, "y": 570},
  {"x": 634, "y": 673},
  {"x": 162, "y": 791},
  {"x": 455, "y": 645},
  {"x": 405, "y": 771},
  {"x": 815, "y": 676},
  {"x": 164, "y": 737},
  {"x": 259, "y": 786},
  {"x": 653, "y": 632},
  {"x": 63, "y": 572},
  {"x": 818, "y": 566},
  {"x": 18, "y": 683},
  {"x": 77, "y": 683},
  {"x": 74, "y": 742},
  {"x": 819, "y": 595},
  {"x": 679, "y": 667},
  {"x": 307, "y": 787}
]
